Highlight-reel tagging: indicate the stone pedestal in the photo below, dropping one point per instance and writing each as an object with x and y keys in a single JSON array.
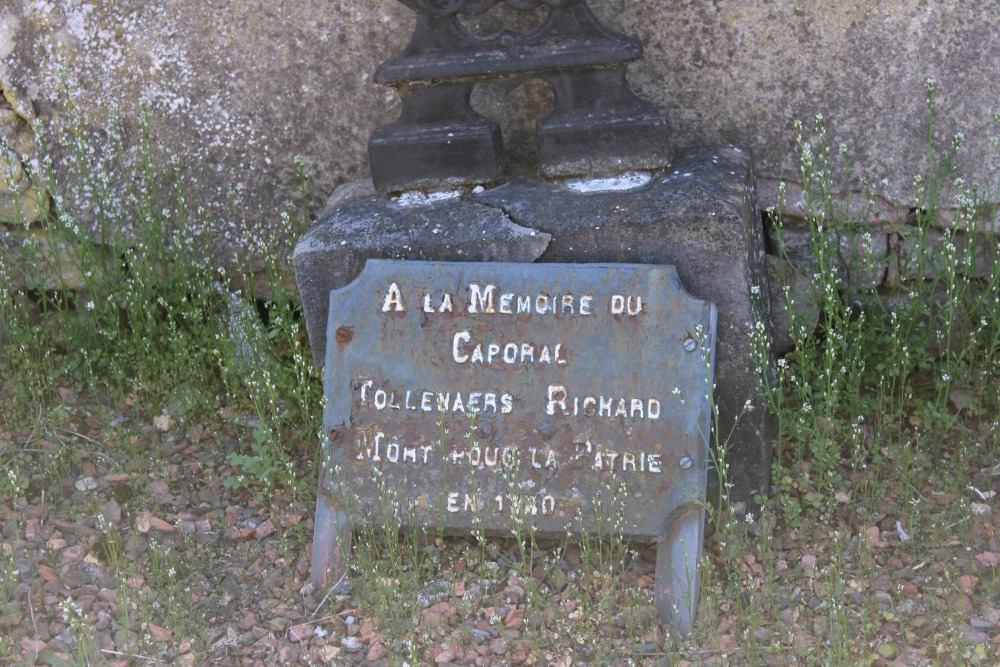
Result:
[
  {"x": 701, "y": 217},
  {"x": 333, "y": 252}
]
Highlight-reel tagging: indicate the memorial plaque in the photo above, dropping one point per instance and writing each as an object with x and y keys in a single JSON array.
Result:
[{"x": 520, "y": 398}]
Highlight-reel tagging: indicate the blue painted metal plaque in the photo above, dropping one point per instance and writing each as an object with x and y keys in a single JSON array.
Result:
[{"x": 519, "y": 398}]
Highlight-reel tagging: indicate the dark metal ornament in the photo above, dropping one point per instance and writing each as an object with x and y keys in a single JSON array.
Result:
[
  {"x": 597, "y": 126},
  {"x": 474, "y": 7}
]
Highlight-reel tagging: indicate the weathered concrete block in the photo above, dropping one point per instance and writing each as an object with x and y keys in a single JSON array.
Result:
[
  {"x": 987, "y": 220},
  {"x": 859, "y": 207},
  {"x": 860, "y": 257},
  {"x": 933, "y": 253},
  {"x": 20, "y": 200},
  {"x": 33, "y": 261},
  {"x": 238, "y": 87},
  {"x": 801, "y": 303},
  {"x": 700, "y": 217},
  {"x": 235, "y": 89},
  {"x": 334, "y": 251}
]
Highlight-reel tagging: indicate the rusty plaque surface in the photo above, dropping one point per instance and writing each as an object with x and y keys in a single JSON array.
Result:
[{"x": 506, "y": 397}]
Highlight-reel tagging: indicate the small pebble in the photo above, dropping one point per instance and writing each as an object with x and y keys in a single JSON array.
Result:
[
  {"x": 981, "y": 624},
  {"x": 85, "y": 484}
]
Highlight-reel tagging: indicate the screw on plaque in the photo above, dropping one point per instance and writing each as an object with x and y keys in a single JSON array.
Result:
[
  {"x": 597, "y": 125},
  {"x": 334, "y": 435},
  {"x": 345, "y": 334},
  {"x": 484, "y": 430},
  {"x": 690, "y": 344},
  {"x": 686, "y": 463}
]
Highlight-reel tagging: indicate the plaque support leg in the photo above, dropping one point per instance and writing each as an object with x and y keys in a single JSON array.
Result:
[
  {"x": 331, "y": 546},
  {"x": 677, "y": 578}
]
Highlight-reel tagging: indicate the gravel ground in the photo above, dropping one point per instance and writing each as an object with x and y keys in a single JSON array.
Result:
[{"x": 136, "y": 516}]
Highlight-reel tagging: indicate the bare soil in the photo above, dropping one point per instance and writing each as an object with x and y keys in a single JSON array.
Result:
[{"x": 214, "y": 577}]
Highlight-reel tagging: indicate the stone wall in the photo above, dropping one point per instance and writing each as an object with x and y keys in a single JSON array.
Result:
[{"x": 237, "y": 88}]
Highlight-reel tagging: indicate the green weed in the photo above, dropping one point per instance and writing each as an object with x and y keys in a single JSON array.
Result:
[
  {"x": 120, "y": 293},
  {"x": 881, "y": 395},
  {"x": 889, "y": 402}
]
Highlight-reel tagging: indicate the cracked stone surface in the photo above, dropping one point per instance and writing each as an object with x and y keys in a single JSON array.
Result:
[
  {"x": 333, "y": 252},
  {"x": 700, "y": 217}
]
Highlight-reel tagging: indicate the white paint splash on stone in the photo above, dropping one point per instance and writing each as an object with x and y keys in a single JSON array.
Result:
[
  {"x": 629, "y": 180},
  {"x": 421, "y": 198}
]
